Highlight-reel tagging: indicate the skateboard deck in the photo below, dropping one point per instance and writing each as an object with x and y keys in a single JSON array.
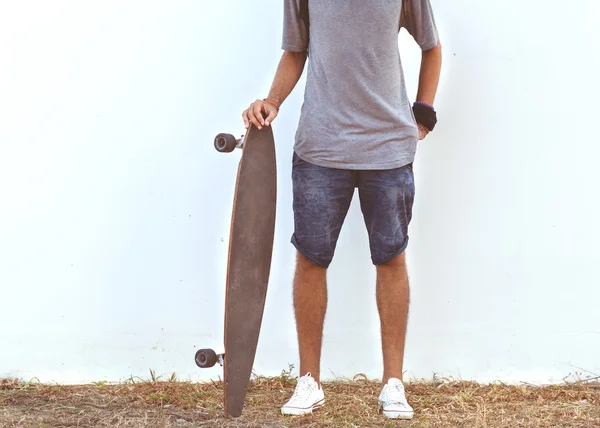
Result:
[{"x": 249, "y": 261}]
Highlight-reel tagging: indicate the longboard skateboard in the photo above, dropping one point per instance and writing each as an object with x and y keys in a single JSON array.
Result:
[{"x": 249, "y": 261}]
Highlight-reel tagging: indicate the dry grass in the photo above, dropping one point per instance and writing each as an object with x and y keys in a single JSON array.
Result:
[{"x": 156, "y": 403}]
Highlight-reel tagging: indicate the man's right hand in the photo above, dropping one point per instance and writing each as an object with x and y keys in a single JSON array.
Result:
[{"x": 254, "y": 114}]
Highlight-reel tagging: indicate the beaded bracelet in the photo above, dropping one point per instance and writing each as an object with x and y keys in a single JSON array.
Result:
[{"x": 424, "y": 104}]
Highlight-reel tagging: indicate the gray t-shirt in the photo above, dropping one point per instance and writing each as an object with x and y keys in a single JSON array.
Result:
[{"x": 356, "y": 113}]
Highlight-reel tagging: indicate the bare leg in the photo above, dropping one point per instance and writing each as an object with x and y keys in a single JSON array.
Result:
[
  {"x": 310, "y": 303},
  {"x": 392, "y": 302}
]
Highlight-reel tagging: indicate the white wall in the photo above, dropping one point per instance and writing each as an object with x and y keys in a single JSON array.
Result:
[{"x": 114, "y": 214}]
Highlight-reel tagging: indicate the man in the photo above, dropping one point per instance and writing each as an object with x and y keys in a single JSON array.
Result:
[{"x": 357, "y": 130}]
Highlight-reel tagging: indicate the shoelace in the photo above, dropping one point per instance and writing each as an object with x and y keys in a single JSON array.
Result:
[
  {"x": 303, "y": 388},
  {"x": 398, "y": 394}
]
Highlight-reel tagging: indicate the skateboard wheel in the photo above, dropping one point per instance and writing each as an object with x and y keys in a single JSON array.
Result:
[
  {"x": 206, "y": 358},
  {"x": 225, "y": 143}
]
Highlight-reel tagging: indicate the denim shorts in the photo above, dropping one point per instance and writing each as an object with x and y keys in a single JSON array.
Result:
[{"x": 321, "y": 200}]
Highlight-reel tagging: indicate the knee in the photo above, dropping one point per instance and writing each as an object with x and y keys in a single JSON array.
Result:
[
  {"x": 398, "y": 262},
  {"x": 304, "y": 264}
]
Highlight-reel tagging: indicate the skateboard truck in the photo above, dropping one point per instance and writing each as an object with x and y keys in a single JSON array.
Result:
[
  {"x": 226, "y": 143},
  {"x": 206, "y": 358}
]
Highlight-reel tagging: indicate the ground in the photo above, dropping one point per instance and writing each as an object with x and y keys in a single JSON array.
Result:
[{"x": 353, "y": 403}]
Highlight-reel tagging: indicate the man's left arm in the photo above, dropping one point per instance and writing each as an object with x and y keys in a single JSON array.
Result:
[
  {"x": 429, "y": 77},
  {"x": 417, "y": 18}
]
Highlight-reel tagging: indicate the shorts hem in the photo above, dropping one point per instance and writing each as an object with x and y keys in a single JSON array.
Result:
[
  {"x": 308, "y": 256},
  {"x": 393, "y": 255}
]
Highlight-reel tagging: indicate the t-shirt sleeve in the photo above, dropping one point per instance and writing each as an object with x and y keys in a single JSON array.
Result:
[
  {"x": 295, "y": 31},
  {"x": 417, "y": 18}
]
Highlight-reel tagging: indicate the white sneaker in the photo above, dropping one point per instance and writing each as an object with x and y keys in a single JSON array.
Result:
[
  {"x": 308, "y": 396},
  {"x": 393, "y": 400}
]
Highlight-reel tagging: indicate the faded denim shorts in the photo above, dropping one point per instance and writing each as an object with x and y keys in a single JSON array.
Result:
[{"x": 322, "y": 197}]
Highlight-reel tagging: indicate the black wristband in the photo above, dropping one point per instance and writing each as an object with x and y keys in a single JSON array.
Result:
[{"x": 425, "y": 115}]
